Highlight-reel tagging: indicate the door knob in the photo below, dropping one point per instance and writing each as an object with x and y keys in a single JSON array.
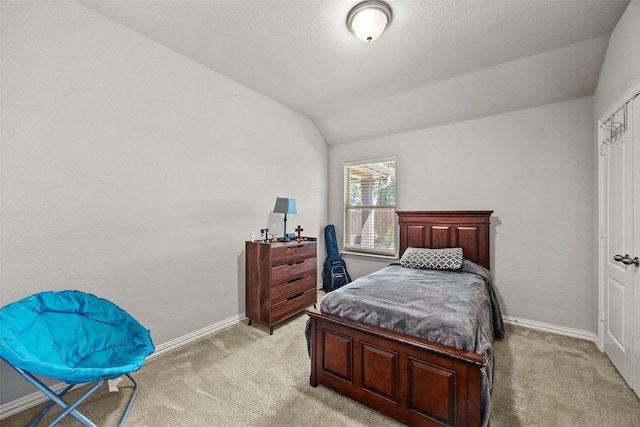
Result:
[{"x": 626, "y": 260}]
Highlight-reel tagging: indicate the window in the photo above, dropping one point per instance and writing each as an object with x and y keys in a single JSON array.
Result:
[{"x": 370, "y": 207}]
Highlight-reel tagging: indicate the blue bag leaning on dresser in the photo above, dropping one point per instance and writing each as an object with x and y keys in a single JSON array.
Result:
[{"x": 334, "y": 273}]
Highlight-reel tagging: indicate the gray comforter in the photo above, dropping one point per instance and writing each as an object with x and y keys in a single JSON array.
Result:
[{"x": 456, "y": 308}]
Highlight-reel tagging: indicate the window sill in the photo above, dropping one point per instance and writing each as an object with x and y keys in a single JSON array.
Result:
[{"x": 369, "y": 257}]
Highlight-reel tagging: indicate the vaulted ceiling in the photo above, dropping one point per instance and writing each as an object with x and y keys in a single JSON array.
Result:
[{"x": 438, "y": 62}]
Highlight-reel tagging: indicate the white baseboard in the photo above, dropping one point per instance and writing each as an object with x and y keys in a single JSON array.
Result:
[
  {"x": 27, "y": 402},
  {"x": 186, "y": 339},
  {"x": 554, "y": 329},
  {"x": 36, "y": 398}
]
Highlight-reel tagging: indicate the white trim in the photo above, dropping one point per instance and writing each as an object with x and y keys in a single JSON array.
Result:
[
  {"x": 36, "y": 398},
  {"x": 27, "y": 402},
  {"x": 391, "y": 158},
  {"x": 186, "y": 339},
  {"x": 626, "y": 97},
  {"x": 600, "y": 236},
  {"x": 554, "y": 329},
  {"x": 369, "y": 257}
]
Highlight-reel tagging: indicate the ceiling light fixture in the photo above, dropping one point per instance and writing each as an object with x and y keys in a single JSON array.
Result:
[{"x": 367, "y": 20}]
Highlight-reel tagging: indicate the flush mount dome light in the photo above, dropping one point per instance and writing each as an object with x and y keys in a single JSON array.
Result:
[{"x": 367, "y": 20}]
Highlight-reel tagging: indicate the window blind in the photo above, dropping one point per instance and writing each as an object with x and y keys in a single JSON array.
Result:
[{"x": 370, "y": 206}]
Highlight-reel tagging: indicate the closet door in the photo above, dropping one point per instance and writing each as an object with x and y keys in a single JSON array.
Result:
[
  {"x": 620, "y": 312},
  {"x": 618, "y": 234}
]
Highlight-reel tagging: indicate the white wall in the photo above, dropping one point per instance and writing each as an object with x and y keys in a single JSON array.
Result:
[
  {"x": 134, "y": 173},
  {"x": 535, "y": 168},
  {"x": 621, "y": 67}
]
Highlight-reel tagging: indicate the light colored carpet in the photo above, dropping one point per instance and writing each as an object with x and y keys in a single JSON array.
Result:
[
  {"x": 242, "y": 376},
  {"x": 544, "y": 379}
]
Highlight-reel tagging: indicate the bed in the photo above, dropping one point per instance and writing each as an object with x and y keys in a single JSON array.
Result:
[{"x": 398, "y": 365}]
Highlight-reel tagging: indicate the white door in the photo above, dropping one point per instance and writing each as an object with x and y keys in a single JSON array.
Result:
[{"x": 618, "y": 247}]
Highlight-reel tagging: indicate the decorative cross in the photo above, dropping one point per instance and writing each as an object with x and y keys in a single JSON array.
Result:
[{"x": 299, "y": 230}]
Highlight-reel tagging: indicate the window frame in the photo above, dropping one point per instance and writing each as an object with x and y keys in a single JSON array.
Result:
[{"x": 370, "y": 250}]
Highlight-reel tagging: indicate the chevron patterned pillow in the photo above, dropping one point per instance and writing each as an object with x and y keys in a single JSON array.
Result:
[{"x": 432, "y": 259}]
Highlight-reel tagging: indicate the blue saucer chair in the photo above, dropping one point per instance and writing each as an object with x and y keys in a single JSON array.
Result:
[{"x": 75, "y": 337}]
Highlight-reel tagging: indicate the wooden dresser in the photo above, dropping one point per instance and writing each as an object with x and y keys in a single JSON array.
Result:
[{"x": 281, "y": 279}]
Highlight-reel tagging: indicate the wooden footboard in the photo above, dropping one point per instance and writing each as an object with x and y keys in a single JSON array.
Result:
[{"x": 415, "y": 381}]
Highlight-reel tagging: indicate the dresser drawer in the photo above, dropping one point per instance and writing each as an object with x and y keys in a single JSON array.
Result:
[
  {"x": 281, "y": 279},
  {"x": 293, "y": 270},
  {"x": 290, "y": 253},
  {"x": 292, "y": 306},
  {"x": 290, "y": 289}
]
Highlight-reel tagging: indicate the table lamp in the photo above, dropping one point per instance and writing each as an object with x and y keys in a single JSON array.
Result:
[{"x": 285, "y": 206}]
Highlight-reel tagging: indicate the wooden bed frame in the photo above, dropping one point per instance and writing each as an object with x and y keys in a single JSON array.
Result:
[{"x": 415, "y": 381}]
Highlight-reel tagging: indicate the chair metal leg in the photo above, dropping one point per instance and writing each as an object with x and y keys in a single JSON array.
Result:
[
  {"x": 48, "y": 406},
  {"x": 133, "y": 396},
  {"x": 68, "y": 409}
]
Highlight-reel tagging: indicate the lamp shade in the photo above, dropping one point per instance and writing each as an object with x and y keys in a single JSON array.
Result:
[
  {"x": 285, "y": 206},
  {"x": 367, "y": 20}
]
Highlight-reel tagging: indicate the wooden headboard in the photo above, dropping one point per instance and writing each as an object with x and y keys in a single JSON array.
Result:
[{"x": 448, "y": 229}]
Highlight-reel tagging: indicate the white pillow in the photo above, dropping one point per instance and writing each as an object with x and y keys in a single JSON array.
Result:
[{"x": 433, "y": 259}]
